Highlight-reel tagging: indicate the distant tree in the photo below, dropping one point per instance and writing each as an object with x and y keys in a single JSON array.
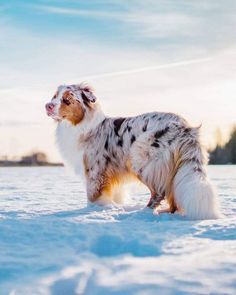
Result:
[
  {"x": 224, "y": 154},
  {"x": 218, "y": 156},
  {"x": 37, "y": 158},
  {"x": 230, "y": 146},
  {"x": 41, "y": 157},
  {"x": 219, "y": 137}
]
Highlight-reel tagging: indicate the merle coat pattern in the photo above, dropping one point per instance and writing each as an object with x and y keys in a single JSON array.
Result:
[{"x": 159, "y": 149}]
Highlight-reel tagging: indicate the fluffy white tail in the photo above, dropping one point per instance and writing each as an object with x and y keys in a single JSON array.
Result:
[{"x": 195, "y": 195}]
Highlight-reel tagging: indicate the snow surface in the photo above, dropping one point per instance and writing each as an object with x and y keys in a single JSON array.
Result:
[{"x": 52, "y": 243}]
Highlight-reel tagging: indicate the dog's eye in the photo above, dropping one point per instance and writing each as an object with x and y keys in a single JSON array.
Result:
[{"x": 66, "y": 101}]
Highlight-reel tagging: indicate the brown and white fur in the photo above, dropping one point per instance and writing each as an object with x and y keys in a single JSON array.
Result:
[{"x": 159, "y": 149}]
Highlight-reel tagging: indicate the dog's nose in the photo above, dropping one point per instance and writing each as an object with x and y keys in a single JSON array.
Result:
[{"x": 49, "y": 107}]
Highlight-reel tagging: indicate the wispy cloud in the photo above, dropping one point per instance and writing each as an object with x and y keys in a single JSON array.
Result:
[
  {"x": 150, "y": 68},
  {"x": 150, "y": 24},
  {"x": 77, "y": 12},
  {"x": 187, "y": 22}
]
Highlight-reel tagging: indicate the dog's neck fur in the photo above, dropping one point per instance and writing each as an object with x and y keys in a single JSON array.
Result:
[{"x": 69, "y": 138}]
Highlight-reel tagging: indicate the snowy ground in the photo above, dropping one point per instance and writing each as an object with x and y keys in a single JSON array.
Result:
[{"x": 51, "y": 243}]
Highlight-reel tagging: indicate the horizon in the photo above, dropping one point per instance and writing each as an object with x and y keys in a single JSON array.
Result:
[{"x": 140, "y": 57}]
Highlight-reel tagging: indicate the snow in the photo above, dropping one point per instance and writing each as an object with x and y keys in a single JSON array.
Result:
[{"x": 52, "y": 243}]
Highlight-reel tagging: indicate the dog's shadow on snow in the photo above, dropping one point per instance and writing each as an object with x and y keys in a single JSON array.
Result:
[
  {"x": 111, "y": 230},
  {"x": 115, "y": 213}
]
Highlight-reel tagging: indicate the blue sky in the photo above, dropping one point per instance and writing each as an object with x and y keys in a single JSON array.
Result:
[{"x": 47, "y": 43}]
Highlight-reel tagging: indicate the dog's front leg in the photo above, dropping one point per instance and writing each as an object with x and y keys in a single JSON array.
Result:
[{"x": 98, "y": 191}]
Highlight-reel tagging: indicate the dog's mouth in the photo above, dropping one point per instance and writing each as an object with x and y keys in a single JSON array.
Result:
[
  {"x": 53, "y": 116},
  {"x": 50, "y": 114}
]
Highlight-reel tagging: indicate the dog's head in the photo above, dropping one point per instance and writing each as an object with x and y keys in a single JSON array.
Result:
[{"x": 71, "y": 102}]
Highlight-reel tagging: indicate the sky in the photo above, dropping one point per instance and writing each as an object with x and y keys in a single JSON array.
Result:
[{"x": 140, "y": 56}]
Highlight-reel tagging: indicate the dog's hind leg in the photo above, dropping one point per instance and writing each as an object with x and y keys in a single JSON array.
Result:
[
  {"x": 155, "y": 200},
  {"x": 171, "y": 202}
]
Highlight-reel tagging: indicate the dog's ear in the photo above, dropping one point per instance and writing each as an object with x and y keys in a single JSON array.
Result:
[{"x": 87, "y": 92}]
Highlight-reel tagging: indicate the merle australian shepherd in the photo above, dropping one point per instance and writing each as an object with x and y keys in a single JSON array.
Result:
[{"x": 159, "y": 149}]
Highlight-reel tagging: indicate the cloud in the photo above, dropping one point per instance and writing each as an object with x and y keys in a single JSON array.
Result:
[
  {"x": 77, "y": 12},
  {"x": 209, "y": 24},
  {"x": 149, "y": 24},
  {"x": 150, "y": 68}
]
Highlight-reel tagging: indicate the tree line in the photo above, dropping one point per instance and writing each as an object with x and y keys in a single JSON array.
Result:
[
  {"x": 226, "y": 153},
  {"x": 33, "y": 159}
]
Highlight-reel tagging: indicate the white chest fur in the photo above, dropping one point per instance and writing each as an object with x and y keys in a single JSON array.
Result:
[{"x": 72, "y": 152}]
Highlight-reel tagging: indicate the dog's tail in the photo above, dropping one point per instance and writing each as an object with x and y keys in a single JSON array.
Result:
[
  {"x": 192, "y": 190},
  {"x": 195, "y": 195}
]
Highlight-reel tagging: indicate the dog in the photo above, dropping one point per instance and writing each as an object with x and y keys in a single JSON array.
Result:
[{"x": 159, "y": 149}]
